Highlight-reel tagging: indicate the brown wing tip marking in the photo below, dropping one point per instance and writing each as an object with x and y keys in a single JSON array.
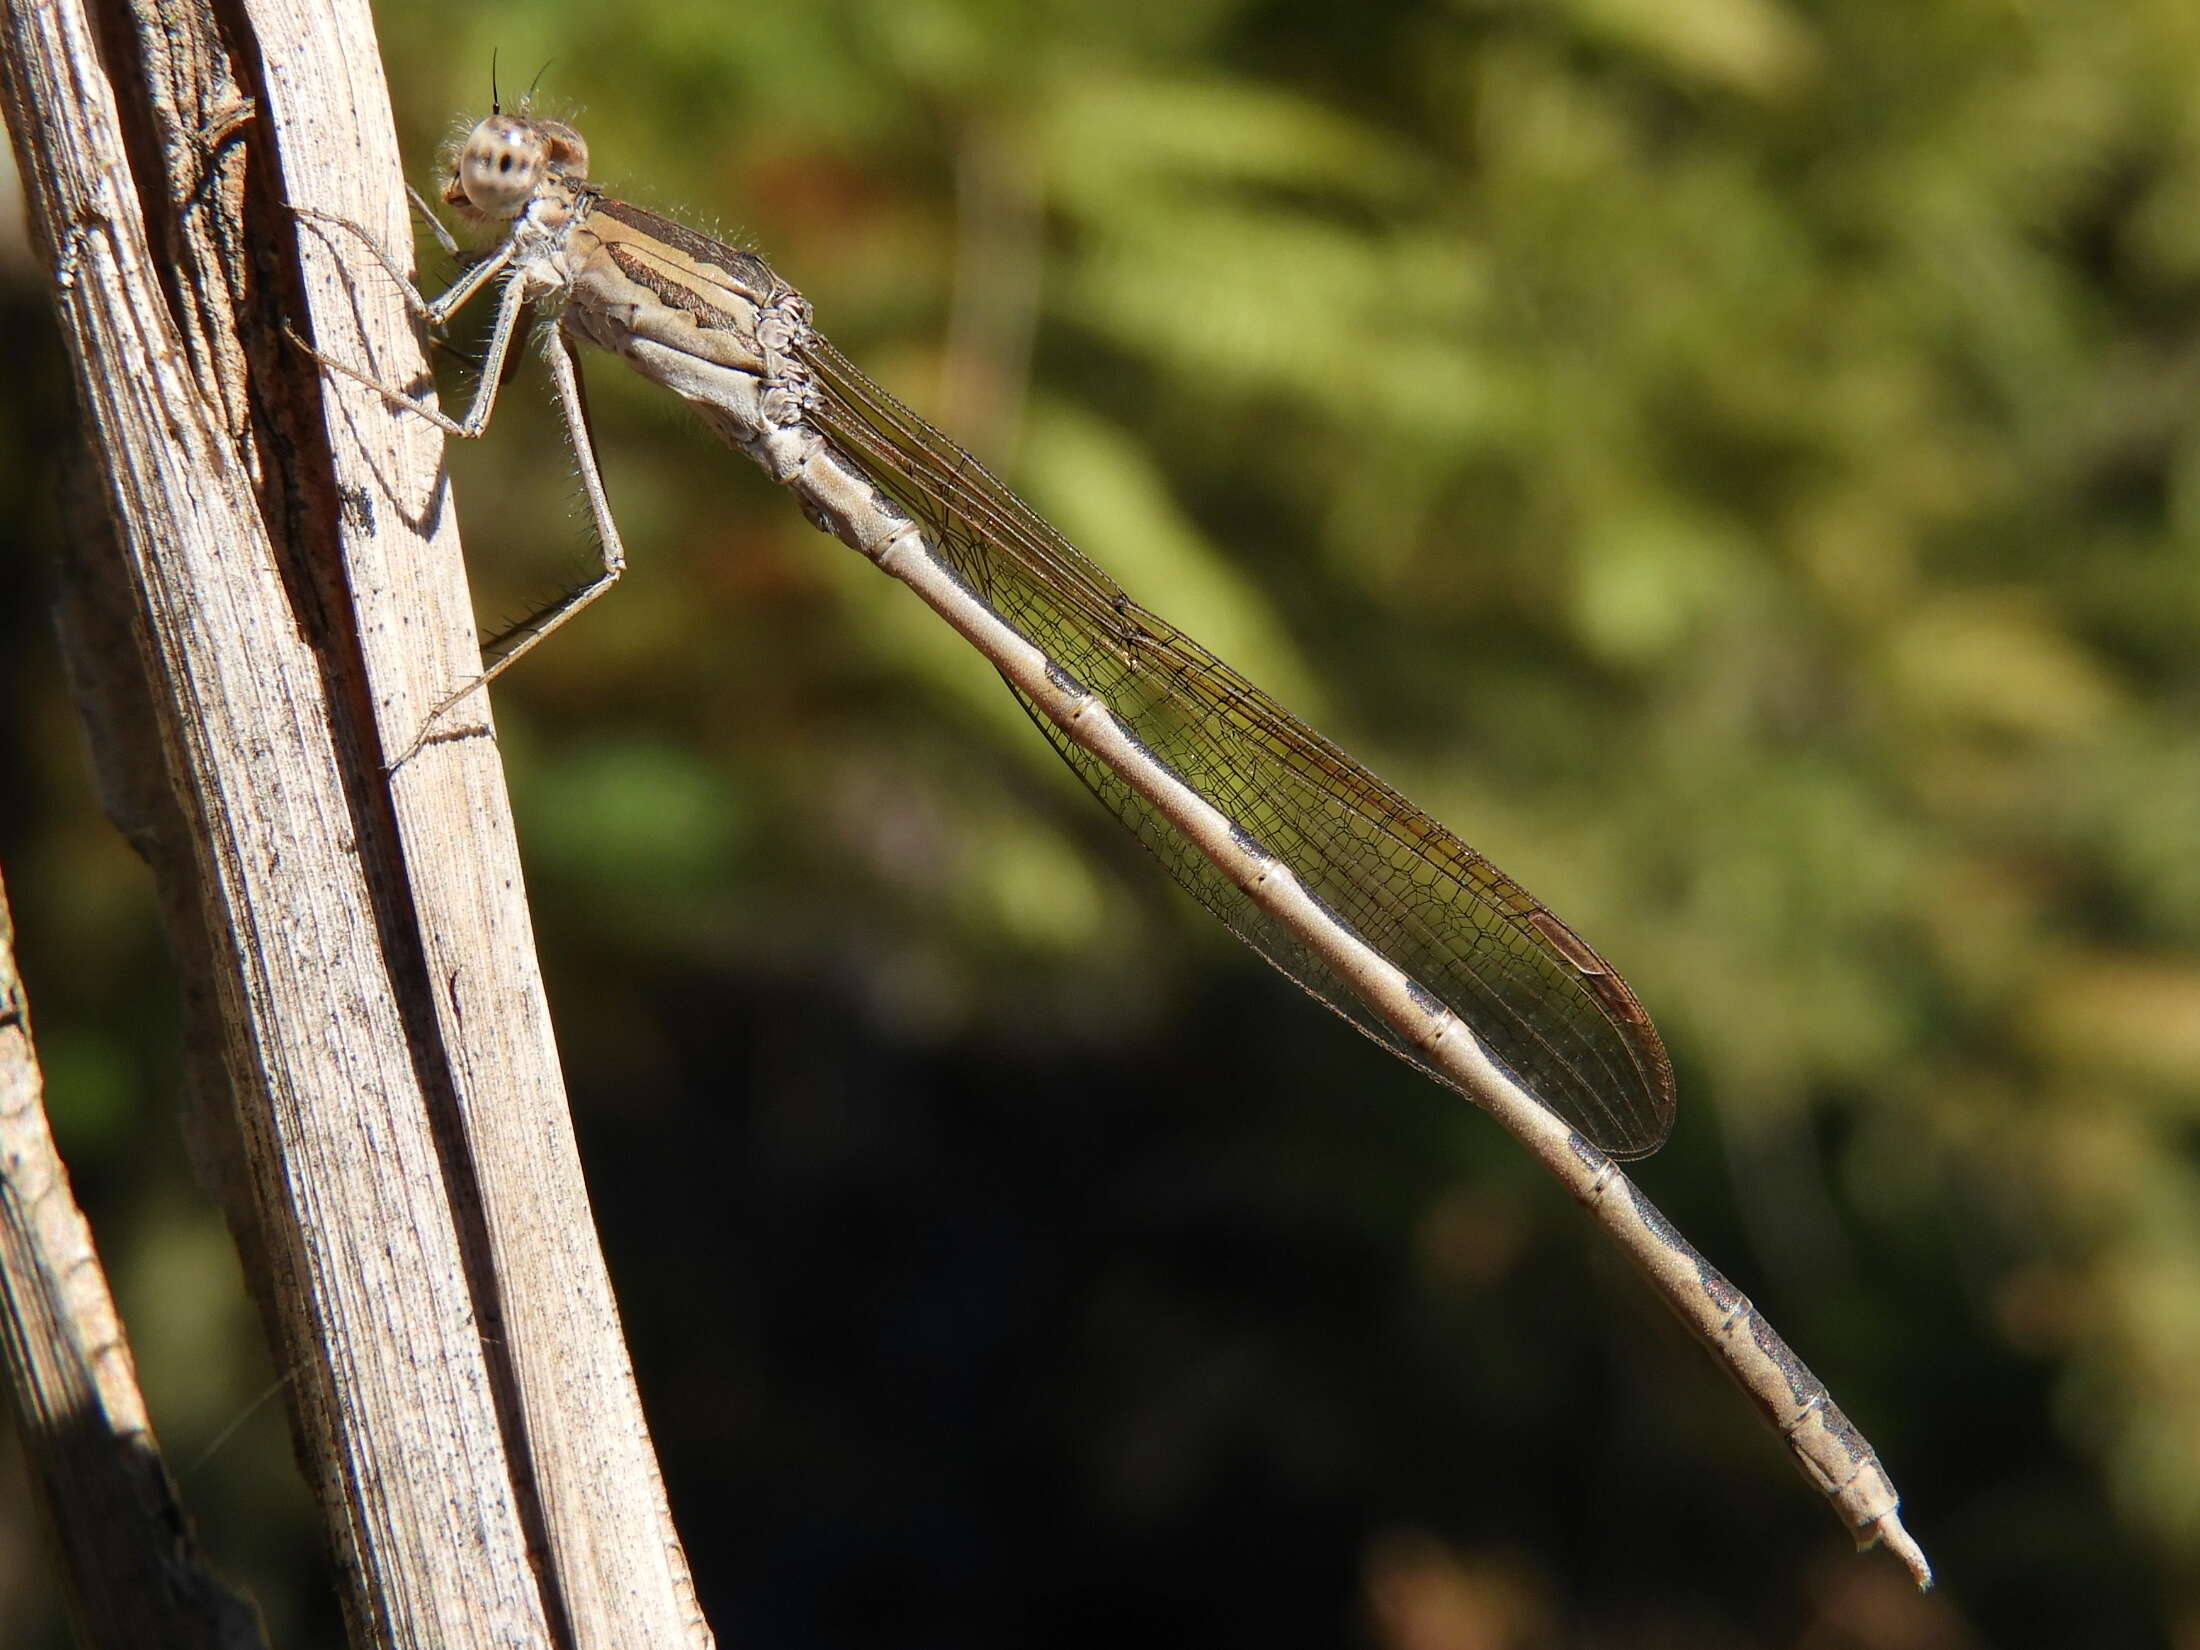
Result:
[
  {"x": 1618, "y": 1001},
  {"x": 1568, "y": 944},
  {"x": 1600, "y": 976}
]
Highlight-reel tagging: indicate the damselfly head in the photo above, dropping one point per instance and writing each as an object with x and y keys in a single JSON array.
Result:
[{"x": 506, "y": 158}]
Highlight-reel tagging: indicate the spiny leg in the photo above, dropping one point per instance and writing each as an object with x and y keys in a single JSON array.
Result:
[
  {"x": 511, "y": 299},
  {"x": 522, "y": 638},
  {"x": 435, "y": 311},
  {"x": 443, "y": 236}
]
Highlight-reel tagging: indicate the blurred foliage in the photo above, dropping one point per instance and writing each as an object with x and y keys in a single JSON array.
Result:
[{"x": 1732, "y": 459}]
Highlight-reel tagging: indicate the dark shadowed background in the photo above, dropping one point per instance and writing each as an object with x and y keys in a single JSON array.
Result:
[{"x": 1737, "y": 462}]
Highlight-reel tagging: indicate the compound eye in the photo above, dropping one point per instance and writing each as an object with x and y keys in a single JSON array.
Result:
[{"x": 499, "y": 167}]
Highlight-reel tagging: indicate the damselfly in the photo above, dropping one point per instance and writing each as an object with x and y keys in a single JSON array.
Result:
[{"x": 1364, "y": 900}]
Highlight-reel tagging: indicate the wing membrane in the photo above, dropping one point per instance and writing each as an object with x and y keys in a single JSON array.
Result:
[{"x": 1544, "y": 1003}]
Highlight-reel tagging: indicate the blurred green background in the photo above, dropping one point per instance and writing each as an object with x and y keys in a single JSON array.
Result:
[{"x": 1734, "y": 460}]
